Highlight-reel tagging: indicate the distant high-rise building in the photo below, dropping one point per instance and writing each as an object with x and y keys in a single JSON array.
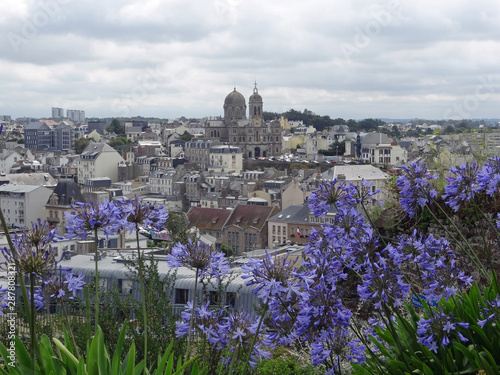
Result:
[
  {"x": 76, "y": 115},
  {"x": 57, "y": 112}
]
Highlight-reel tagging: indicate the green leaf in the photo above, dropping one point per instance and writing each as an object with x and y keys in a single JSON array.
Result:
[
  {"x": 24, "y": 358},
  {"x": 66, "y": 352},
  {"x": 118, "y": 350},
  {"x": 427, "y": 370},
  {"x": 465, "y": 351},
  {"x": 139, "y": 368},
  {"x": 170, "y": 365},
  {"x": 131, "y": 360},
  {"x": 163, "y": 360}
]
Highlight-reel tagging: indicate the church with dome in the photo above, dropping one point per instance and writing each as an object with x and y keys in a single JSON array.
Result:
[{"x": 255, "y": 137}]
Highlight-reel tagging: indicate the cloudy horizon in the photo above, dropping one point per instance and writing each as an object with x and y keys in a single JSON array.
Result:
[{"x": 357, "y": 59}]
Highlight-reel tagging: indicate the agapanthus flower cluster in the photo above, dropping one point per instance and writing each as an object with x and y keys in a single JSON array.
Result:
[
  {"x": 270, "y": 275},
  {"x": 39, "y": 299},
  {"x": 231, "y": 331},
  {"x": 415, "y": 188},
  {"x": 439, "y": 330},
  {"x": 59, "y": 285},
  {"x": 439, "y": 271},
  {"x": 383, "y": 284},
  {"x": 331, "y": 195},
  {"x": 4, "y": 299},
  {"x": 462, "y": 186},
  {"x": 237, "y": 331},
  {"x": 136, "y": 213},
  {"x": 365, "y": 193},
  {"x": 490, "y": 313},
  {"x": 33, "y": 251},
  {"x": 336, "y": 345},
  {"x": 489, "y": 177},
  {"x": 205, "y": 320},
  {"x": 88, "y": 217},
  {"x": 200, "y": 257}
]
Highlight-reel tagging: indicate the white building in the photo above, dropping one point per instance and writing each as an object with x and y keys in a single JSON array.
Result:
[
  {"x": 76, "y": 115},
  {"x": 98, "y": 160},
  {"x": 162, "y": 182},
  {"x": 225, "y": 158},
  {"x": 356, "y": 173},
  {"x": 57, "y": 112},
  {"x": 23, "y": 204},
  {"x": 7, "y": 159}
]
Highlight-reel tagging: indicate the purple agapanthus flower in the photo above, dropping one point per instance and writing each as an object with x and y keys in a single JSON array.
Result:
[
  {"x": 33, "y": 251},
  {"x": 330, "y": 195},
  {"x": 439, "y": 330},
  {"x": 489, "y": 177},
  {"x": 74, "y": 283},
  {"x": 88, "y": 217},
  {"x": 334, "y": 345},
  {"x": 200, "y": 257},
  {"x": 3, "y": 300},
  {"x": 136, "y": 213},
  {"x": 415, "y": 188},
  {"x": 239, "y": 327},
  {"x": 383, "y": 284},
  {"x": 462, "y": 186},
  {"x": 269, "y": 275},
  {"x": 39, "y": 299},
  {"x": 490, "y": 313}
]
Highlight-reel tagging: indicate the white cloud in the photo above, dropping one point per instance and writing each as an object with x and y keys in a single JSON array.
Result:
[{"x": 357, "y": 59}]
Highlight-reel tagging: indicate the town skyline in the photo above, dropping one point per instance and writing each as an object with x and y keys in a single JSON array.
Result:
[{"x": 356, "y": 60}]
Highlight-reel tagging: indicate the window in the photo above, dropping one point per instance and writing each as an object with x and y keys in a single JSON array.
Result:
[
  {"x": 231, "y": 299},
  {"x": 181, "y": 296},
  {"x": 213, "y": 298}
]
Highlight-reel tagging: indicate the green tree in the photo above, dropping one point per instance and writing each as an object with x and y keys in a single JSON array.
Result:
[
  {"x": 227, "y": 250},
  {"x": 116, "y": 127},
  {"x": 186, "y": 136},
  {"x": 177, "y": 227},
  {"x": 81, "y": 144},
  {"x": 338, "y": 148},
  {"x": 118, "y": 142}
]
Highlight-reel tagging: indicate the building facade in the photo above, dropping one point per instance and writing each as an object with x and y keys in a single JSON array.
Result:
[
  {"x": 21, "y": 203},
  {"x": 255, "y": 137}
]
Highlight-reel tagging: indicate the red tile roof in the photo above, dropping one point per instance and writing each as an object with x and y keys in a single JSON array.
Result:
[
  {"x": 207, "y": 218},
  {"x": 251, "y": 216}
]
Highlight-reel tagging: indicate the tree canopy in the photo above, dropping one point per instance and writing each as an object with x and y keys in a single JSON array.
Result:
[{"x": 116, "y": 127}]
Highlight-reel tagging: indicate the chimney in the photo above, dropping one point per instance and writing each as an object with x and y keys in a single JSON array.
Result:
[
  {"x": 267, "y": 190},
  {"x": 237, "y": 195},
  {"x": 224, "y": 193}
]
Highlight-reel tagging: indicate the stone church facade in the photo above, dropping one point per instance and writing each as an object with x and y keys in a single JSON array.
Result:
[{"x": 253, "y": 135}]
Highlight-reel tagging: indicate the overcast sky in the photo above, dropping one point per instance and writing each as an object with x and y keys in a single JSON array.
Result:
[{"x": 170, "y": 58}]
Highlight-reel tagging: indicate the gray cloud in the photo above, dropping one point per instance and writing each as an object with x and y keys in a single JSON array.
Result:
[{"x": 352, "y": 59}]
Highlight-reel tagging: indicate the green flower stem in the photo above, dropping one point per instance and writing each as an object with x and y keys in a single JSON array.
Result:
[
  {"x": 254, "y": 338},
  {"x": 96, "y": 260},
  {"x": 140, "y": 261},
  {"x": 70, "y": 330},
  {"x": 470, "y": 254},
  {"x": 235, "y": 356},
  {"x": 394, "y": 334},
  {"x": 32, "y": 322},
  {"x": 191, "y": 322},
  {"x": 28, "y": 310},
  {"x": 372, "y": 224},
  {"x": 87, "y": 315},
  {"x": 483, "y": 237}
]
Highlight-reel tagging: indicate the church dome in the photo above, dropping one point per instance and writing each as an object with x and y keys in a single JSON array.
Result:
[
  {"x": 234, "y": 98},
  {"x": 235, "y": 106}
]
